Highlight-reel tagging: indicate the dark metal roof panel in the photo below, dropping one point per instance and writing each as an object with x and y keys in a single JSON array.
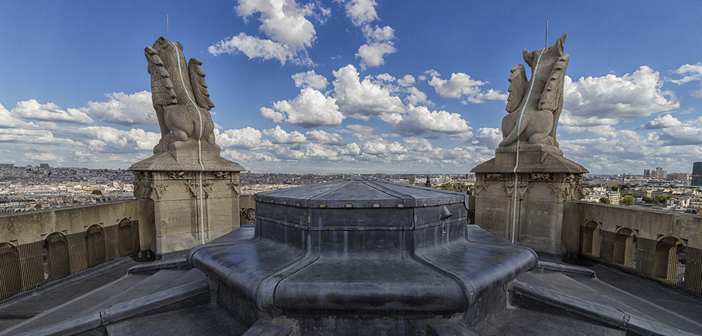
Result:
[{"x": 361, "y": 192}]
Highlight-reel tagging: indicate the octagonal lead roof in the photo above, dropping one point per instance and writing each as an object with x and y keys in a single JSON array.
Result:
[{"x": 361, "y": 192}]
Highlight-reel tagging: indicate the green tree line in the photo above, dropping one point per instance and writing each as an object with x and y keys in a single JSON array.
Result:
[{"x": 457, "y": 187}]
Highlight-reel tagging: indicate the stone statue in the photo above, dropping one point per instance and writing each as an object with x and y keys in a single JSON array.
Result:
[
  {"x": 539, "y": 112},
  {"x": 180, "y": 97}
]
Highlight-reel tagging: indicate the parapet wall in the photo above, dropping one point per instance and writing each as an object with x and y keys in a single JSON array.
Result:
[
  {"x": 657, "y": 244},
  {"x": 42, "y": 246}
]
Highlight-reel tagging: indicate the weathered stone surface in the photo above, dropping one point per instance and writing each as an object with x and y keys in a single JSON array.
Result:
[
  {"x": 195, "y": 191},
  {"x": 520, "y": 194},
  {"x": 180, "y": 96},
  {"x": 658, "y": 244},
  {"x": 534, "y": 107},
  {"x": 538, "y": 203},
  {"x": 190, "y": 207}
]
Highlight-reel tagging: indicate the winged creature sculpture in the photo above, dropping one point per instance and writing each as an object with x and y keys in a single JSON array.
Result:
[
  {"x": 535, "y": 106},
  {"x": 179, "y": 94}
]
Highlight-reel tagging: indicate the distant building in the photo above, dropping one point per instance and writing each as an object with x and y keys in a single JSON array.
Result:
[
  {"x": 44, "y": 165},
  {"x": 647, "y": 173},
  {"x": 659, "y": 173},
  {"x": 679, "y": 176},
  {"x": 697, "y": 174}
]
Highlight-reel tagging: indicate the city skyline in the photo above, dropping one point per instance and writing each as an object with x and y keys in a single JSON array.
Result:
[{"x": 356, "y": 86}]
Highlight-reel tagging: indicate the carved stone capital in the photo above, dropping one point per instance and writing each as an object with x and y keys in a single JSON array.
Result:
[
  {"x": 559, "y": 191},
  {"x": 143, "y": 182},
  {"x": 509, "y": 188},
  {"x": 572, "y": 187},
  {"x": 235, "y": 186},
  {"x": 221, "y": 175},
  {"x": 494, "y": 177},
  {"x": 540, "y": 176},
  {"x": 194, "y": 187},
  {"x": 178, "y": 175},
  {"x": 523, "y": 188},
  {"x": 479, "y": 187},
  {"x": 159, "y": 189}
]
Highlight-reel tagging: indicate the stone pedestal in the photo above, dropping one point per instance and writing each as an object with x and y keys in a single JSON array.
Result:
[
  {"x": 192, "y": 206},
  {"x": 544, "y": 181}
]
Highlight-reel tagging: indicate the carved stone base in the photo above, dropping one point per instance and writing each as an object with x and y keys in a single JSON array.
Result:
[
  {"x": 544, "y": 181},
  {"x": 191, "y": 206},
  {"x": 183, "y": 155}
]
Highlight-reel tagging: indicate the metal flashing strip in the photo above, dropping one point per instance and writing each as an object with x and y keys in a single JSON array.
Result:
[
  {"x": 516, "y": 163},
  {"x": 199, "y": 145}
]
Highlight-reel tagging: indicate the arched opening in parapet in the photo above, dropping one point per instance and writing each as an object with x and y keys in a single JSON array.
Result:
[
  {"x": 248, "y": 216},
  {"x": 590, "y": 239},
  {"x": 95, "y": 245},
  {"x": 55, "y": 257},
  {"x": 128, "y": 233},
  {"x": 625, "y": 243},
  {"x": 670, "y": 260},
  {"x": 10, "y": 277}
]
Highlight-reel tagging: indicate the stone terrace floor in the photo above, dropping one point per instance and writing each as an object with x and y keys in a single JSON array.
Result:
[{"x": 641, "y": 296}]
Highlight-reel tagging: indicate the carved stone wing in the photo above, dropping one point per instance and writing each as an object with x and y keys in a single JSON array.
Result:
[
  {"x": 197, "y": 80},
  {"x": 162, "y": 92},
  {"x": 552, "y": 97}
]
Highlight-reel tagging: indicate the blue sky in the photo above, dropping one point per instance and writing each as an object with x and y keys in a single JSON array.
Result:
[{"x": 352, "y": 86}]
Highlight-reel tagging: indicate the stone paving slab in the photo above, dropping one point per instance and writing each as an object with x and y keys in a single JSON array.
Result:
[
  {"x": 520, "y": 322},
  {"x": 598, "y": 300},
  {"x": 70, "y": 309},
  {"x": 672, "y": 299},
  {"x": 198, "y": 320},
  {"x": 35, "y": 301}
]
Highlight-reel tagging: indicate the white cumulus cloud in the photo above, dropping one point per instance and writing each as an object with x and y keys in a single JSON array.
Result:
[
  {"x": 124, "y": 109},
  {"x": 284, "y": 22},
  {"x": 663, "y": 122},
  {"x": 34, "y": 136},
  {"x": 361, "y": 12},
  {"x": 271, "y": 114},
  {"x": 108, "y": 139},
  {"x": 420, "y": 121},
  {"x": 418, "y": 145},
  {"x": 407, "y": 80},
  {"x": 311, "y": 108},
  {"x": 33, "y": 110},
  {"x": 243, "y": 138},
  {"x": 325, "y": 138},
  {"x": 254, "y": 47},
  {"x": 280, "y": 136},
  {"x": 382, "y": 147},
  {"x": 417, "y": 97},
  {"x": 362, "y": 99},
  {"x": 605, "y": 100},
  {"x": 461, "y": 85},
  {"x": 489, "y": 137},
  {"x": 690, "y": 73},
  {"x": 310, "y": 79},
  {"x": 11, "y": 119},
  {"x": 379, "y": 43},
  {"x": 45, "y": 157}
]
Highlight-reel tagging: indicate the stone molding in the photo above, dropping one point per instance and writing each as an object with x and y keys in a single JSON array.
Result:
[{"x": 154, "y": 184}]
